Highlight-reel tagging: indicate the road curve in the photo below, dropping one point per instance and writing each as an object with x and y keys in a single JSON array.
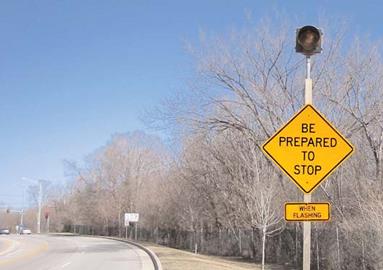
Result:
[{"x": 41, "y": 252}]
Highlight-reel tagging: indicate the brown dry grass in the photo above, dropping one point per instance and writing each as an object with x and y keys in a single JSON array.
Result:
[{"x": 174, "y": 259}]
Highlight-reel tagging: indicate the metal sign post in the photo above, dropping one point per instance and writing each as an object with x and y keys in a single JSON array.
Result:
[
  {"x": 307, "y": 197},
  {"x": 135, "y": 231}
]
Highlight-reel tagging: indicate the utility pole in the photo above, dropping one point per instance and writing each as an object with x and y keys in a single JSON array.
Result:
[
  {"x": 40, "y": 202},
  {"x": 22, "y": 209},
  {"x": 22, "y": 217}
]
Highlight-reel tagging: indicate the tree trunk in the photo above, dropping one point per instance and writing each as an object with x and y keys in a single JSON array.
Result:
[
  {"x": 338, "y": 246},
  {"x": 190, "y": 241},
  {"x": 119, "y": 224},
  {"x": 219, "y": 242},
  {"x": 363, "y": 257},
  {"x": 279, "y": 249},
  {"x": 201, "y": 238},
  {"x": 263, "y": 246},
  {"x": 240, "y": 242},
  {"x": 253, "y": 244},
  {"x": 317, "y": 247},
  {"x": 195, "y": 242},
  {"x": 296, "y": 245}
]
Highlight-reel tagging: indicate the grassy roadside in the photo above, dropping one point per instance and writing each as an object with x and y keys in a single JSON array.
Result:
[{"x": 174, "y": 259}]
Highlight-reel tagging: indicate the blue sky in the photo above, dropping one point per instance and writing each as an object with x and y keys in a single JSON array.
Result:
[{"x": 72, "y": 73}]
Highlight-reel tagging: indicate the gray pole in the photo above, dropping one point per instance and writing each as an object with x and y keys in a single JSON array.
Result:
[
  {"x": 22, "y": 208},
  {"x": 307, "y": 197},
  {"x": 40, "y": 206},
  {"x": 22, "y": 217},
  {"x": 47, "y": 229},
  {"x": 135, "y": 231}
]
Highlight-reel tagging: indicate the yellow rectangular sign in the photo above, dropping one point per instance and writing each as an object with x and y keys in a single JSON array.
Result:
[{"x": 296, "y": 211}]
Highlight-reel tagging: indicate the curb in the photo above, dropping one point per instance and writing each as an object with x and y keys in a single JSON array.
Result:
[{"x": 152, "y": 255}]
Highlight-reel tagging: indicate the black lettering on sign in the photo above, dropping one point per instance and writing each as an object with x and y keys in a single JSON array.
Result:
[
  {"x": 304, "y": 169},
  {"x": 307, "y": 141},
  {"x": 308, "y": 128},
  {"x": 289, "y": 141},
  {"x": 333, "y": 142},
  {"x": 307, "y": 208},
  {"x": 310, "y": 155},
  {"x": 318, "y": 142}
]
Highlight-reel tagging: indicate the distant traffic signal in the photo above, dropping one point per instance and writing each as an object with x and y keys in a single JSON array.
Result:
[
  {"x": 8, "y": 210},
  {"x": 308, "y": 40}
]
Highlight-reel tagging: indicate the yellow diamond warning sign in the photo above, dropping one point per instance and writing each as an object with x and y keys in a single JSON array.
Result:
[
  {"x": 308, "y": 148},
  {"x": 307, "y": 211}
]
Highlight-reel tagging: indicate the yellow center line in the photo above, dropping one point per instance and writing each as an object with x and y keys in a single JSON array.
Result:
[
  {"x": 8, "y": 244},
  {"x": 29, "y": 254}
]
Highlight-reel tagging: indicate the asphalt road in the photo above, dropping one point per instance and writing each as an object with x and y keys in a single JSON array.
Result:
[{"x": 39, "y": 252}]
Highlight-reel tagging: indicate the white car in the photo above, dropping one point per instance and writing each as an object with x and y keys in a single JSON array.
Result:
[
  {"x": 25, "y": 231},
  {"x": 22, "y": 230}
]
